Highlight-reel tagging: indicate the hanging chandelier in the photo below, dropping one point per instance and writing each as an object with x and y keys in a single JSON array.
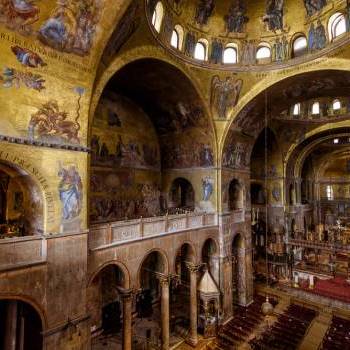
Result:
[{"x": 266, "y": 307}]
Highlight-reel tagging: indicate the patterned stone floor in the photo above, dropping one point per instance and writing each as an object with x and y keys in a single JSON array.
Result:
[{"x": 139, "y": 337}]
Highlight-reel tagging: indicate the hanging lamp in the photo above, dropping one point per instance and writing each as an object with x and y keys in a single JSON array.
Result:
[{"x": 266, "y": 307}]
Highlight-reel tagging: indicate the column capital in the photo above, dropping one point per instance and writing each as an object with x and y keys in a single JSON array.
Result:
[
  {"x": 126, "y": 294},
  {"x": 163, "y": 279},
  {"x": 194, "y": 268}
]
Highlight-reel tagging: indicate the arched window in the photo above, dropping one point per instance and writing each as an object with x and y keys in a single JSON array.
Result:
[
  {"x": 201, "y": 50},
  {"x": 174, "y": 41},
  {"x": 296, "y": 109},
  {"x": 315, "y": 108},
  {"x": 336, "y": 105},
  {"x": 299, "y": 46},
  {"x": 230, "y": 54},
  {"x": 336, "y": 25},
  {"x": 177, "y": 37},
  {"x": 330, "y": 193},
  {"x": 157, "y": 16},
  {"x": 263, "y": 52}
]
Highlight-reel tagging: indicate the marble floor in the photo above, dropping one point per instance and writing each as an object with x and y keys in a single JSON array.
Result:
[
  {"x": 140, "y": 342},
  {"x": 147, "y": 332}
]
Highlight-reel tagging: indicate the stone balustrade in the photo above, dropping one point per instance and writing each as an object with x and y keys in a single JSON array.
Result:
[
  {"x": 104, "y": 235},
  {"x": 22, "y": 251}
]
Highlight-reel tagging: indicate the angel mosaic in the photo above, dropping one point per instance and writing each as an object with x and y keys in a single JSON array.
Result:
[
  {"x": 27, "y": 57},
  {"x": 12, "y": 77},
  {"x": 225, "y": 94}
]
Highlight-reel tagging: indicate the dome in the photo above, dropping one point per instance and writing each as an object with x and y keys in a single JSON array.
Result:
[{"x": 242, "y": 33}]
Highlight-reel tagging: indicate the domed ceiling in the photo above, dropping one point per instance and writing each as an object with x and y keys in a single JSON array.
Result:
[
  {"x": 247, "y": 26},
  {"x": 235, "y": 17},
  {"x": 248, "y": 16},
  {"x": 222, "y": 17}
]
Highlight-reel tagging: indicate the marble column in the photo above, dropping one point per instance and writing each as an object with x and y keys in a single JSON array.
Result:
[
  {"x": 241, "y": 277},
  {"x": 126, "y": 296},
  {"x": 21, "y": 333},
  {"x": 298, "y": 191},
  {"x": 164, "y": 284},
  {"x": 193, "y": 336},
  {"x": 10, "y": 342}
]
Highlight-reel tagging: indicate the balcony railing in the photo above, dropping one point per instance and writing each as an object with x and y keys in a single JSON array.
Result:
[
  {"x": 22, "y": 251},
  {"x": 104, "y": 235},
  {"x": 337, "y": 247}
]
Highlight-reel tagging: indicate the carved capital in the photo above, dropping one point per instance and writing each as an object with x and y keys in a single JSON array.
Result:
[
  {"x": 193, "y": 268},
  {"x": 126, "y": 294},
  {"x": 164, "y": 280}
]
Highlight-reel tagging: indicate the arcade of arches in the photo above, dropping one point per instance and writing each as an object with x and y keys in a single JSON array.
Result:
[{"x": 167, "y": 167}]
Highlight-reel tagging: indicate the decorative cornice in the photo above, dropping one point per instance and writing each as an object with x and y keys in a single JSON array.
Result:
[{"x": 37, "y": 143}]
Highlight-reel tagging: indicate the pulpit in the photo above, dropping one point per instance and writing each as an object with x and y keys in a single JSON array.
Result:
[{"x": 209, "y": 295}]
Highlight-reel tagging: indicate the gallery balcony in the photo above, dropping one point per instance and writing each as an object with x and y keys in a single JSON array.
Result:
[
  {"x": 22, "y": 252},
  {"x": 112, "y": 234},
  {"x": 325, "y": 246}
]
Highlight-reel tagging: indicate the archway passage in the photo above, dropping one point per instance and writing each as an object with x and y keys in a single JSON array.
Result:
[
  {"x": 105, "y": 301},
  {"x": 181, "y": 195},
  {"x": 106, "y": 307},
  {"x": 180, "y": 292},
  {"x": 20, "y": 326},
  {"x": 132, "y": 170},
  {"x": 21, "y": 203},
  {"x": 152, "y": 303}
]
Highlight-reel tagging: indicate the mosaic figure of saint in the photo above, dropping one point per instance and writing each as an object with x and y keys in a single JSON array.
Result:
[
  {"x": 274, "y": 15},
  {"x": 70, "y": 192},
  {"x": 204, "y": 11},
  {"x": 236, "y": 18}
]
